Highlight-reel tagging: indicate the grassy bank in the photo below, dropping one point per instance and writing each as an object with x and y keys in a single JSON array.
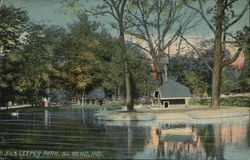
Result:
[{"x": 225, "y": 101}]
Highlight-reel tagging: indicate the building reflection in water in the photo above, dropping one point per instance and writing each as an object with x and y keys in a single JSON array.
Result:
[{"x": 199, "y": 142}]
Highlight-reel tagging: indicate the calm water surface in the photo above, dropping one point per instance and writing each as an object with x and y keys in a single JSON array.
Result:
[{"x": 76, "y": 135}]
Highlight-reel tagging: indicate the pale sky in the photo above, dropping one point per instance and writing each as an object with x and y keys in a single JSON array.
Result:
[{"x": 46, "y": 11}]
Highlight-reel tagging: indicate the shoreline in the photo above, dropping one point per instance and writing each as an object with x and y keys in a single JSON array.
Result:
[
  {"x": 197, "y": 115},
  {"x": 117, "y": 114}
]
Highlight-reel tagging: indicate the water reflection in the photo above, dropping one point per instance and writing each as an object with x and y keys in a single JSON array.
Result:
[
  {"x": 199, "y": 142},
  {"x": 47, "y": 119},
  {"x": 77, "y": 131}
]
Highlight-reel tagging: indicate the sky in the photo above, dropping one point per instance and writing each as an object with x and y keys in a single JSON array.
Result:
[
  {"x": 42, "y": 11},
  {"x": 47, "y": 12}
]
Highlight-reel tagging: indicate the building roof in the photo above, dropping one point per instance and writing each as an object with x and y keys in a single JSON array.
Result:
[{"x": 173, "y": 89}]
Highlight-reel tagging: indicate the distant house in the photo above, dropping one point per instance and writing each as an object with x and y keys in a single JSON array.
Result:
[{"x": 172, "y": 93}]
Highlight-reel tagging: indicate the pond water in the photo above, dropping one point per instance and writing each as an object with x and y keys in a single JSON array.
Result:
[{"x": 76, "y": 135}]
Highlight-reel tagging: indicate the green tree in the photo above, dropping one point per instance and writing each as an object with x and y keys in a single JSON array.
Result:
[
  {"x": 14, "y": 24},
  {"x": 140, "y": 71},
  {"x": 244, "y": 79},
  {"x": 192, "y": 72},
  {"x": 81, "y": 72},
  {"x": 197, "y": 84},
  {"x": 22, "y": 70},
  {"x": 35, "y": 64},
  {"x": 78, "y": 64},
  {"x": 116, "y": 8},
  {"x": 13, "y": 28}
]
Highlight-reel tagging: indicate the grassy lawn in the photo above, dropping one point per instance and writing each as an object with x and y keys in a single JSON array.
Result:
[{"x": 228, "y": 101}]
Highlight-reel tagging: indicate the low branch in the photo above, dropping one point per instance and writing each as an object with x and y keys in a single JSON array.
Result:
[
  {"x": 195, "y": 49},
  {"x": 236, "y": 55},
  {"x": 137, "y": 45},
  {"x": 139, "y": 36}
]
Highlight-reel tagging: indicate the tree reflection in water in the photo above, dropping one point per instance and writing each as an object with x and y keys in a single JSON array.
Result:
[
  {"x": 200, "y": 141},
  {"x": 206, "y": 134},
  {"x": 47, "y": 119}
]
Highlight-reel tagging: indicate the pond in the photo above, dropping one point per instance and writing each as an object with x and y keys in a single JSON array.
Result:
[{"x": 76, "y": 135}]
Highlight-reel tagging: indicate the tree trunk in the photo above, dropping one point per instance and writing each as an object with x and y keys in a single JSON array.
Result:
[
  {"x": 129, "y": 95},
  {"x": 129, "y": 101},
  {"x": 217, "y": 70},
  {"x": 118, "y": 92},
  {"x": 219, "y": 145},
  {"x": 83, "y": 98},
  {"x": 216, "y": 87},
  {"x": 78, "y": 100}
]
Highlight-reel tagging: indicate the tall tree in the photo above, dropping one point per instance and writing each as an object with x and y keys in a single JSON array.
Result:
[
  {"x": 25, "y": 72},
  {"x": 223, "y": 18},
  {"x": 116, "y": 9},
  {"x": 79, "y": 63},
  {"x": 155, "y": 25},
  {"x": 14, "y": 24}
]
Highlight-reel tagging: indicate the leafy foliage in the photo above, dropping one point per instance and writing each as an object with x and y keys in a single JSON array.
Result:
[
  {"x": 113, "y": 81},
  {"x": 13, "y": 28}
]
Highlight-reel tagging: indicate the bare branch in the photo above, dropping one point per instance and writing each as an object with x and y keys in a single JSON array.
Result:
[
  {"x": 137, "y": 45},
  {"x": 196, "y": 50},
  {"x": 150, "y": 43},
  {"x": 231, "y": 35},
  {"x": 101, "y": 13},
  {"x": 201, "y": 13},
  {"x": 142, "y": 37},
  {"x": 171, "y": 41},
  {"x": 238, "y": 18}
]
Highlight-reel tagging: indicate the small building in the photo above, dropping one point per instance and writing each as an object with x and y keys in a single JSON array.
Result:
[
  {"x": 172, "y": 93},
  {"x": 97, "y": 95}
]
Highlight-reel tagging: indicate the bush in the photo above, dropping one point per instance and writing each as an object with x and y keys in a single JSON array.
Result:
[{"x": 229, "y": 101}]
